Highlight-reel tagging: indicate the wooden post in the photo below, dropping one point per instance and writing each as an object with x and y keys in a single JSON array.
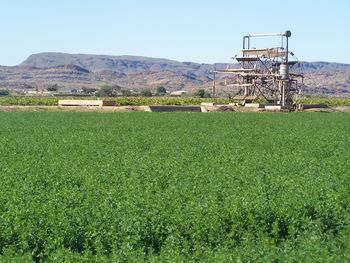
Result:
[{"x": 214, "y": 83}]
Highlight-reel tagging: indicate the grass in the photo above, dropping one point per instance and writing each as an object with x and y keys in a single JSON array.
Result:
[{"x": 160, "y": 187}]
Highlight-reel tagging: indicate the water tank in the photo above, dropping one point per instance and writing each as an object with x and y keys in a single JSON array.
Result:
[{"x": 284, "y": 71}]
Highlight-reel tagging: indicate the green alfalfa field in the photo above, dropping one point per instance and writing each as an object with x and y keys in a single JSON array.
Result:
[{"x": 174, "y": 187}]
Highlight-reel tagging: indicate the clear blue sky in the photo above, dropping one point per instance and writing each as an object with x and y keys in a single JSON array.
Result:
[{"x": 185, "y": 30}]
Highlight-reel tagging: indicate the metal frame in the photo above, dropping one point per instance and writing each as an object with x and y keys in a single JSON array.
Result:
[{"x": 266, "y": 73}]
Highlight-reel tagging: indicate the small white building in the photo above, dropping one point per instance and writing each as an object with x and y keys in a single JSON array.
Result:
[{"x": 178, "y": 93}]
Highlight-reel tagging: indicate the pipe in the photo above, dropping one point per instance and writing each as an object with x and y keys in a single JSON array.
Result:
[
  {"x": 266, "y": 35},
  {"x": 285, "y": 34}
]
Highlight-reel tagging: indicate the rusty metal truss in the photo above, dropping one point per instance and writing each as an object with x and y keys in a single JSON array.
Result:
[{"x": 271, "y": 73}]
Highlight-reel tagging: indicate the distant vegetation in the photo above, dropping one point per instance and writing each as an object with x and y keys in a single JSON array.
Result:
[
  {"x": 201, "y": 93},
  {"x": 52, "y": 87},
  {"x": 146, "y": 93},
  {"x": 89, "y": 91},
  {"x": 154, "y": 100},
  {"x": 161, "y": 91},
  {"x": 108, "y": 90},
  {"x": 4, "y": 92},
  {"x": 327, "y": 101}
]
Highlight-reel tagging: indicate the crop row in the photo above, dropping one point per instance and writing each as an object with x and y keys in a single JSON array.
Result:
[
  {"x": 137, "y": 101},
  {"x": 122, "y": 101}
]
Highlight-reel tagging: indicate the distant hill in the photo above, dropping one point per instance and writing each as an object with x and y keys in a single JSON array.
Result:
[
  {"x": 324, "y": 66},
  {"x": 95, "y": 63},
  {"x": 134, "y": 72}
]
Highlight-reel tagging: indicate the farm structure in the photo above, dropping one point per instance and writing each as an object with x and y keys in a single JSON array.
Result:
[
  {"x": 273, "y": 74},
  {"x": 86, "y": 103}
]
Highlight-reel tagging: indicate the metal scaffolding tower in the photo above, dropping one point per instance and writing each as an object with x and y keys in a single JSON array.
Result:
[{"x": 270, "y": 73}]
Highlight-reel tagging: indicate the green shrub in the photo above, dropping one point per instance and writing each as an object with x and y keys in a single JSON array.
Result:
[{"x": 4, "y": 92}]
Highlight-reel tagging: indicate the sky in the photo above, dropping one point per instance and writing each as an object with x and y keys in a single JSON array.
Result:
[{"x": 200, "y": 31}]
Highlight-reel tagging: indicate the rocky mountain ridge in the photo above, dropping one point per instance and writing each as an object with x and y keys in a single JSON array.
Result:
[{"x": 133, "y": 72}]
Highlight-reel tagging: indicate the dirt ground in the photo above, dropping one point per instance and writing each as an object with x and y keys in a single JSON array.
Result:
[
  {"x": 144, "y": 108},
  {"x": 73, "y": 108}
]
